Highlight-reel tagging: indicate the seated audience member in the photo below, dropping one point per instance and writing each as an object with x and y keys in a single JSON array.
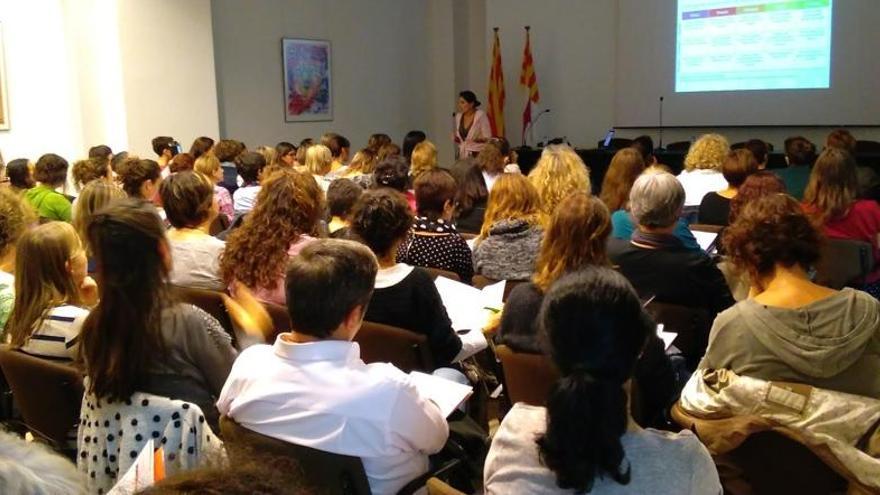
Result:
[
  {"x": 34, "y": 468},
  {"x": 209, "y": 166},
  {"x": 319, "y": 163},
  {"x": 831, "y": 199},
  {"x": 15, "y": 218},
  {"x": 424, "y": 158},
  {"x": 181, "y": 163},
  {"x": 94, "y": 197},
  {"x": 285, "y": 154},
  {"x": 52, "y": 292},
  {"x": 393, "y": 173},
  {"x": 510, "y": 239},
  {"x": 50, "y": 173},
  {"x": 702, "y": 168},
  {"x": 86, "y": 171},
  {"x": 227, "y": 150},
  {"x": 290, "y": 390},
  {"x": 491, "y": 161},
  {"x": 376, "y": 141},
  {"x": 165, "y": 148},
  {"x": 760, "y": 150},
  {"x": 404, "y": 296},
  {"x": 361, "y": 168},
  {"x": 790, "y": 329},
  {"x": 284, "y": 217},
  {"x": 200, "y": 146},
  {"x": 645, "y": 146},
  {"x": 189, "y": 204},
  {"x": 170, "y": 349},
  {"x": 140, "y": 178},
  {"x": 268, "y": 153},
  {"x": 341, "y": 197},
  {"x": 339, "y": 147},
  {"x": 760, "y": 184},
  {"x": 841, "y": 139},
  {"x": 410, "y": 141},
  {"x": 576, "y": 238},
  {"x": 304, "y": 146},
  {"x": 715, "y": 207},
  {"x": 249, "y": 166},
  {"x": 387, "y": 151},
  {"x": 625, "y": 167},
  {"x": 471, "y": 200},
  {"x": 868, "y": 180},
  {"x": 800, "y": 154},
  {"x": 101, "y": 151},
  {"x": 655, "y": 261},
  {"x": 116, "y": 162},
  {"x": 20, "y": 175},
  {"x": 585, "y": 439},
  {"x": 558, "y": 173},
  {"x": 433, "y": 241}
]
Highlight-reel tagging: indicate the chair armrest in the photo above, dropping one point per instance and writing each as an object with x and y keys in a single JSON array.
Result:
[{"x": 414, "y": 485}]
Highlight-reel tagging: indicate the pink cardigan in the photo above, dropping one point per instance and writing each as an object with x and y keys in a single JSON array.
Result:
[{"x": 479, "y": 129}]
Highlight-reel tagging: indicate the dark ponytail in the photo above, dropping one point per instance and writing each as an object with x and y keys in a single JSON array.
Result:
[{"x": 594, "y": 326}]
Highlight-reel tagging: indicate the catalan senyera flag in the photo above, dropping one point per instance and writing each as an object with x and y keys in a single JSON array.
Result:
[
  {"x": 529, "y": 79},
  {"x": 496, "y": 91}
]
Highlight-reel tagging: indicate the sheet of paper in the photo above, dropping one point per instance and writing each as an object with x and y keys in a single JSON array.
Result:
[
  {"x": 472, "y": 342},
  {"x": 447, "y": 394},
  {"x": 705, "y": 239},
  {"x": 666, "y": 337},
  {"x": 140, "y": 474},
  {"x": 466, "y": 305},
  {"x": 472, "y": 243}
]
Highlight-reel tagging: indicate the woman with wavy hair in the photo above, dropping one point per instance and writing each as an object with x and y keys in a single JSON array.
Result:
[
  {"x": 702, "y": 168},
  {"x": 558, "y": 173},
  {"x": 586, "y": 439},
  {"x": 626, "y": 166},
  {"x": 509, "y": 241},
  {"x": 288, "y": 207}
]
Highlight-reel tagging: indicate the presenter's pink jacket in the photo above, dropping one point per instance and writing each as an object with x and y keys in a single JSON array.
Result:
[{"x": 479, "y": 129}]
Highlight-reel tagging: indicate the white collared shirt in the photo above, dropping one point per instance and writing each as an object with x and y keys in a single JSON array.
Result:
[{"x": 321, "y": 395}]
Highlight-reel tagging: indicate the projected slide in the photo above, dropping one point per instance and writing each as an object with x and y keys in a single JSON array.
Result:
[{"x": 727, "y": 45}]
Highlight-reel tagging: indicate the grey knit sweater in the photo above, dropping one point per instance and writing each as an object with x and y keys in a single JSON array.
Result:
[{"x": 509, "y": 251}]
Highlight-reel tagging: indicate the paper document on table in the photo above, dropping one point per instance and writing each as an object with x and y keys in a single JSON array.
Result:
[
  {"x": 447, "y": 394},
  {"x": 666, "y": 337}
]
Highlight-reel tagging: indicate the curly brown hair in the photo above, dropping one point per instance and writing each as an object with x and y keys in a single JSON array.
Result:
[
  {"x": 576, "y": 237},
  {"x": 771, "y": 230},
  {"x": 381, "y": 217},
  {"x": 15, "y": 217},
  {"x": 288, "y": 205},
  {"x": 85, "y": 171}
]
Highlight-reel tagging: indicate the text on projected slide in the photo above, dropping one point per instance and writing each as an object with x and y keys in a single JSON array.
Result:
[{"x": 728, "y": 45}]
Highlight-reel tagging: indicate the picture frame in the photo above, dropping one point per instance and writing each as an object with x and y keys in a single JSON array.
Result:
[
  {"x": 308, "y": 84},
  {"x": 4, "y": 92}
]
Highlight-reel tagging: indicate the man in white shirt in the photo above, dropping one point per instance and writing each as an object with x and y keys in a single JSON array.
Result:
[
  {"x": 311, "y": 387},
  {"x": 249, "y": 166}
]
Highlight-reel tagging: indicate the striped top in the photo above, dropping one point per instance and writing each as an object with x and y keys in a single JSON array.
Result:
[{"x": 57, "y": 336}]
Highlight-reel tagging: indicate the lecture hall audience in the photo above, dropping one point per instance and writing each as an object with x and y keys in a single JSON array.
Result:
[
  {"x": 558, "y": 173},
  {"x": 50, "y": 172},
  {"x": 249, "y": 166},
  {"x": 209, "y": 166},
  {"x": 702, "y": 168},
  {"x": 715, "y": 206},
  {"x": 800, "y": 154},
  {"x": 16, "y": 217}
]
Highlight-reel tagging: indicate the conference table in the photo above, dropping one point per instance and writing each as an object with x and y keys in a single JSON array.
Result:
[{"x": 598, "y": 160}]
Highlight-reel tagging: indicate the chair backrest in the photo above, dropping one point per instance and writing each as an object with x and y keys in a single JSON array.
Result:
[
  {"x": 329, "y": 473},
  {"x": 705, "y": 227},
  {"x": 866, "y": 146},
  {"x": 210, "y": 302},
  {"x": 691, "y": 324},
  {"x": 387, "y": 344},
  {"x": 436, "y": 272},
  {"x": 678, "y": 146},
  {"x": 527, "y": 377},
  {"x": 769, "y": 462},
  {"x": 844, "y": 262},
  {"x": 219, "y": 224},
  {"x": 47, "y": 393}
]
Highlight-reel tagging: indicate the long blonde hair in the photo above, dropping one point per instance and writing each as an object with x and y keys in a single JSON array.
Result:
[
  {"x": 96, "y": 195},
  {"x": 363, "y": 162},
  {"x": 207, "y": 165},
  {"x": 424, "y": 158},
  {"x": 576, "y": 237},
  {"x": 42, "y": 277},
  {"x": 558, "y": 173},
  {"x": 512, "y": 197},
  {"x": 707, "y": 153},
  {"x": 318, "y": 159}
]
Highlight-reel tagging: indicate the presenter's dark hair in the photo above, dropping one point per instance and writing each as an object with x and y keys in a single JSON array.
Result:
[
  {"x": 594, "y": 328},
  {"x": 325, "y": 282},
  {"x": 470, "y": 97}
]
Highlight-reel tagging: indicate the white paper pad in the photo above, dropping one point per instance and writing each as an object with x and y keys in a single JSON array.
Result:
[
  {"x": 705, "y": 239},
  {"x": 447, "y": 394},
  {"x": 139, "y": 476},
  {"x": 666, "y": 337}
]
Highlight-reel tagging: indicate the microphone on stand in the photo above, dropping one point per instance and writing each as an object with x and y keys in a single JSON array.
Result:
[
  {"x": 660, "y": 144},
  {"x": 535, "y": 121}
]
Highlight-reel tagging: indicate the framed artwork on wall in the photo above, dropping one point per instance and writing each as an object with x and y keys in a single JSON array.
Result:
[
  {"x": 308, "y": 94},
  {"x": 4, "y": 93}
]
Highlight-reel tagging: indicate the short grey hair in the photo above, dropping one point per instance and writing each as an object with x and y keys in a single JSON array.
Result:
[
  {"x": 656, "y": 199},
  {"x": 30, "y": 467}
]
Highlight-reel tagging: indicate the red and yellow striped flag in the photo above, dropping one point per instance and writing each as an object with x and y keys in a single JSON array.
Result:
[
  {"x": 496, "y": 91},
  {"x": 529, "y": 79}
]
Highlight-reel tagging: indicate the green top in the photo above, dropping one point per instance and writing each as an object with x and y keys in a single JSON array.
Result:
[
  {"x": 7, "y": 298},
  {"x": 49, "y": 203},
  {"x": 795, "y": 179}
]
